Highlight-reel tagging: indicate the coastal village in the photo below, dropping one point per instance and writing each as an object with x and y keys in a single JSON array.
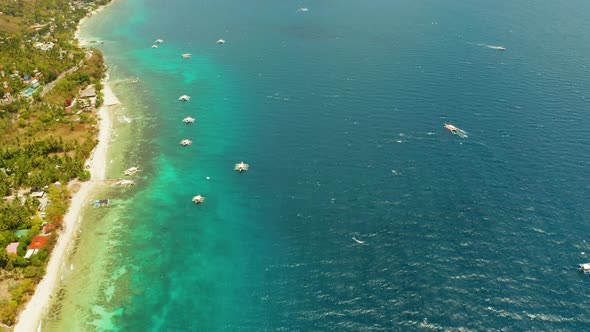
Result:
[{"x": 51, "y": 90}]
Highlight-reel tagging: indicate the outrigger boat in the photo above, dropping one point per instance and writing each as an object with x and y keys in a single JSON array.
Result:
[
  {"x": 185, "y": 55},
  {"x": 131, "y": 171},
  {"x": 221, "y": 41},
  {"x": 240, "y": 167},
  {"x": 459, "y": 132},
  {"x": 188, "y": 120},
  {"x": 198, "y": 199},
  {"x": 585, "y": 268},
  {"x": 184, "y": 98},
  {"x": 125, "y": 183},
  {"x": 159, "y": 41},
  {"x": 186, "y": 142}
]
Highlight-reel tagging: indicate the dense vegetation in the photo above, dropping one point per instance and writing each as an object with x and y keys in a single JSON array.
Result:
[{"x": 45, "y": 135}]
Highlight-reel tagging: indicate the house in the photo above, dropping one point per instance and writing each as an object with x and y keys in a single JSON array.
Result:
[
  {"x": 12, "y": 248},
  {"x": 89, "y": 92},
  {"x": 48, "y": 228},
  {"x": 39, "y": 242}
]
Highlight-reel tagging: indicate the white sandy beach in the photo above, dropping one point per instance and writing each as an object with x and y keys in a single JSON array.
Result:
[{"x": 30, "y": 317}]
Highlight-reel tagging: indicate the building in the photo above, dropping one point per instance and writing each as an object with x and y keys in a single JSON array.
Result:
[
  {"x": 12, "y": 248},
  {"x": 39, "y": 242}
]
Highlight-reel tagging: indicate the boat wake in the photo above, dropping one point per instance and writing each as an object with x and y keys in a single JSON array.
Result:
[{"x": 358, "y": 241}]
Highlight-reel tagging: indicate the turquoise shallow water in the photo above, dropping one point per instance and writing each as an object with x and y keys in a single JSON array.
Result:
[{"x": 339, "y": 111}]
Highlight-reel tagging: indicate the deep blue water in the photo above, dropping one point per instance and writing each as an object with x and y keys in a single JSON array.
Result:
[{"x": 340, "y": 112}]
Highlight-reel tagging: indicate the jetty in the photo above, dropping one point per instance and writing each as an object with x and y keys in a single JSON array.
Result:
[
  {"x": 131, "y": 171},
  {"x": 198, "y": 199},
  {"x": 184, "y": 98},
  {"x": 186, "y": 142},
  {"x": 241, "y": 166},
  {"x": 188, "y": 120}
]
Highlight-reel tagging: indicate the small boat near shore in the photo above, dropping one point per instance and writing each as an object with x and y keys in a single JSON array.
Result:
[
  {"x": 198, "y": 199},
  {"x": 159, "y": 41},
  {"x": 125, "y": 183},
  {"x": 585, "y": 268},
  {"x": 302, "y": 10},
  {"x": 184, "y": 98},
  {"x": 457, "y": 131},
  {"x": 241, "y": 166},
  {"x": 131, "y": 171},
  {"x": 186, "y": 55},
  {"x": 221, "y": 42},
  {"x": 186, "y": 142},
  {"x": 154, "y": 46},
  {"x": 188, "y": 120}
]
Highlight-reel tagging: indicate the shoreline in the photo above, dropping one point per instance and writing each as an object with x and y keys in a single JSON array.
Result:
[{"x": 30, "y": 317}]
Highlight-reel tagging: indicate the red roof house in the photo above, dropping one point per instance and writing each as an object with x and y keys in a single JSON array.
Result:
[{"x": 39, "y": 242}]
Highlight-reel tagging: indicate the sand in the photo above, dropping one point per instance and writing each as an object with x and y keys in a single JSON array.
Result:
[{"x": 29, "y": 319}]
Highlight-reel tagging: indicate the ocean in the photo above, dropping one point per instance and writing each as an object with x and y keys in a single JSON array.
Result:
[{"x": 339, "y": 110}]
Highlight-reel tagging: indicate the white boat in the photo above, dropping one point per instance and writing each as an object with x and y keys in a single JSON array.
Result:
[
  {"x": 221, "y": 41},
  {"x": 198, "y": 199},
  {"x": 459, "y": 132},
  {"x": 126, "y": 183},
  {"x": 241, "y": 166},
  {"x": 302, "y": 10},
  {"x": 184, "y": 98},
  {"x": 154, "y": 46},
  {"x": 499, "y": 48},
  {"x": 186, "y": 142},
  {"x": 186, "y": 55},
  {"x": 131, "y": 171},
  {"x": 585, "y": 268},
  {"x": 188, "y": 120},
  {"x": 159, "y": 41}
]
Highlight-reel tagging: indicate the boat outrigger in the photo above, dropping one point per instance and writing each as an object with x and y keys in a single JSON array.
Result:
[
  {"x": 459, "y": 132},
  {"x": 241, "y": 166},
  {"x": 198, "y": 199},
  {"x": 131, "y": 171}
]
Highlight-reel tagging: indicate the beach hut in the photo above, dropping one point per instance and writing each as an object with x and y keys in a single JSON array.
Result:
[
  {"x": 198, "y": 199},
  {"x": 241, "y": 166}
]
